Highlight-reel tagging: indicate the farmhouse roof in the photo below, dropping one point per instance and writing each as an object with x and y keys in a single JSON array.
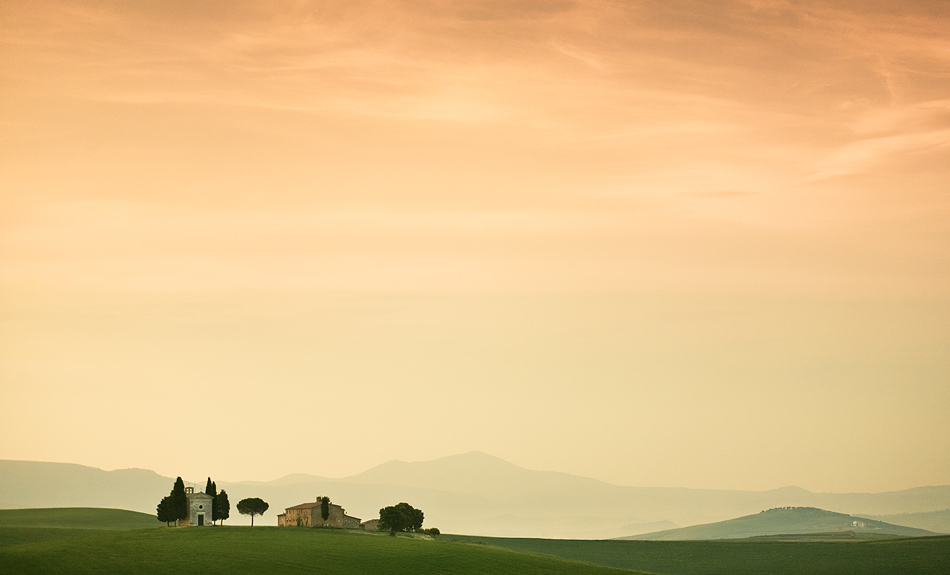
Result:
[{"x": 310, "y": 505}]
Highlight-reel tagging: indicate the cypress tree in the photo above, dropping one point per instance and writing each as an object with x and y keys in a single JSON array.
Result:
[
  {"x": 212, "y": 490},
  {"x": 179, "y": 500},
  {"x": 222, "y": 506},
  {"x": 325, "y": 509}
]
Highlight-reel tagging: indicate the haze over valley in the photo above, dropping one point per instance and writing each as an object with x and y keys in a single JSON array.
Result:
[{"x": 473, "y": 494}]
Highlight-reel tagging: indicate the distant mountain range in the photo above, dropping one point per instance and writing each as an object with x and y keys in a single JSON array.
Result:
[
  {"x": 783, "y": 521},
  {"x": 471, "y": 493}
]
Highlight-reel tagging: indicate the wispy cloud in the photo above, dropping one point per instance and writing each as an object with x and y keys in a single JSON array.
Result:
[
  {"x": 885, "y": 136},
  {"x": 534, "y": 105}
]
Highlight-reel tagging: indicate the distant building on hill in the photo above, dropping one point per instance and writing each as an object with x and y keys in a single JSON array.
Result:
[
  {"x": 199, "y": 509},
  {"x": 308, "y": 515},
  {"x": 370, "y": 525}
]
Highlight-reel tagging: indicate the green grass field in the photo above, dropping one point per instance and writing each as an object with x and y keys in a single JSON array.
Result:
[
  {"x": 102, "y": 541},
  {"x": 239, "y": 550},
  {"x": 918, "y": 556},
  {"x": 77, "y": 518}
]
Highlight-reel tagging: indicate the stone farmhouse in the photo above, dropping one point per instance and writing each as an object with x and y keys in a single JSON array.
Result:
[
  {"x": 370, "y": 525},
  {"x": 199, "y": 508},
  {"x": 308, "y": 515}
]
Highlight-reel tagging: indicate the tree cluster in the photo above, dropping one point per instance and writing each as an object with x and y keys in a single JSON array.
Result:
[
  {"x": 401, "y": 517},
  {"x": 174, "y": 507},
  {"x": 220, "y": 506}
]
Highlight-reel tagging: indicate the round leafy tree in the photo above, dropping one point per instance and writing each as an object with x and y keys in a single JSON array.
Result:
[
  {"x": 252, "y": 506},
  {"x": 165, "y": 511},
  {"x": 401, "y": 517}
]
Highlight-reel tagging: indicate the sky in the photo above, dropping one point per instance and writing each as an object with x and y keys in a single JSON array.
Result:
[{"x": 691, "y": 244}]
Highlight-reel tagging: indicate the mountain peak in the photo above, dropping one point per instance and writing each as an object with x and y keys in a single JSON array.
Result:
[
  {"x": 472, "y": 461},
  {"x": 790, "y": 489},
  {"x": 476, "y": 458},
  {"x": 468, "y": 472}
]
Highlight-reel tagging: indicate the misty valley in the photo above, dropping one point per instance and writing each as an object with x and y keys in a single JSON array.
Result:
[{"x": 474, "y": 506}]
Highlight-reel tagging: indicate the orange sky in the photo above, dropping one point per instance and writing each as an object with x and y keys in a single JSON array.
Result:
[{"x": 694, "y": 244}]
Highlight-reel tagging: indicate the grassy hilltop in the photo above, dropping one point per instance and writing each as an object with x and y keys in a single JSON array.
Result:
[
  {"x": 785, "y": 521},
  {"x": 77, "y": 518},
  {"x": 102, "y": 541}
]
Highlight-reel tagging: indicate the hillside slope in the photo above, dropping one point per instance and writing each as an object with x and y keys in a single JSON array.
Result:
[
  {"x": 782, "y": 521},
  {"x": 917, "y": 556},
  {"x": 78, "y": 518},
  {"x": 252, "y": 550}
]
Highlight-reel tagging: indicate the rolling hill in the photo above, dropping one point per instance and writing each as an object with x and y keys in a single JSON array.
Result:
[
  {"x": 782, "y": 521},
  {"x": 239, "y": 550},
  {"x": 77, "y": 518},
  {"x": 71, "y": 544}
]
